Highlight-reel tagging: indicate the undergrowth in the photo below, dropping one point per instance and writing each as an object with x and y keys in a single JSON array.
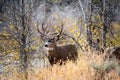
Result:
[{"x": 88, "y": 67}]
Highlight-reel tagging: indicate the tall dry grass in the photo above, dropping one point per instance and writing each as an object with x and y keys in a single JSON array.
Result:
[{"x": 87, "y": 67}]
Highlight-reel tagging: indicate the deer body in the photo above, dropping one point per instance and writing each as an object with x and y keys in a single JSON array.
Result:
[{"x": 61, "y": 53}]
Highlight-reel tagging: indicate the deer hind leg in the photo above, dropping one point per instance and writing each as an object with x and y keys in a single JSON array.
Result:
[{"x": 73, "y": 56}]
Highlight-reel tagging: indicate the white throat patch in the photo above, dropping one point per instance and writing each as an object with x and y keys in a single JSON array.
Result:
[{"x": 50, "y": 49}]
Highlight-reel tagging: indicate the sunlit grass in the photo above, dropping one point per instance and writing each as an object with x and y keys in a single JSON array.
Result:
[{"x": 82, "y": 69}]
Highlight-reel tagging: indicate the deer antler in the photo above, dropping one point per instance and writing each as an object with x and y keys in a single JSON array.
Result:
[
  {"x": 60, "y": 32},
  {"x": 41, "y": 33}
]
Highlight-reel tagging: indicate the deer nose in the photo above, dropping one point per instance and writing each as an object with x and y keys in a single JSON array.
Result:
[{"x": 46, "y": 45}]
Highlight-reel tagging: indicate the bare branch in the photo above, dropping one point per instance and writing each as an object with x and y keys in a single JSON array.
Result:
[{"x": 74, "y": 40}]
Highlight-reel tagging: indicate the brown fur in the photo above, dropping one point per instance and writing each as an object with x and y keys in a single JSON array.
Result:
[
  {"x": 62, "y": 53},
  {"x": 112, "y": 52}
]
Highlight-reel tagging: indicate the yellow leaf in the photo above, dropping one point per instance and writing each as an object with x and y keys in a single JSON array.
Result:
[
  {"x": 55, "y": 27},
  {"x": 11, "y": 26}
]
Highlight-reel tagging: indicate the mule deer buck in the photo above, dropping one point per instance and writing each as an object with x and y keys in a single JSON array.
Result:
[
  {"x": 59, "y": 54},
  {"x": 113, "y": 52}
]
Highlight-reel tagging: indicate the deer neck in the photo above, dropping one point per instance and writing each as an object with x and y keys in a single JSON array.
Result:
[{"x": 53, "y": 51}]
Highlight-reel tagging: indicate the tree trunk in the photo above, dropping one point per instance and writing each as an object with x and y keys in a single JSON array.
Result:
[
  {"x": 89, "y": 35},
  {"x": 104, "y": 22},
  {"x": 23, "y": 51},
  {"x": 103, "y": 38},
  {"x": 24, "y": 61},
  {"x": 89, "y": 14}
]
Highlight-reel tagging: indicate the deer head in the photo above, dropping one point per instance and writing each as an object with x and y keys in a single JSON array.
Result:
[{"x": 49, "y": 38}]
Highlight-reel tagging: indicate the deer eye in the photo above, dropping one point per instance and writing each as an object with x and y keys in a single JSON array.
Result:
[{"x": 50, "y": 40}]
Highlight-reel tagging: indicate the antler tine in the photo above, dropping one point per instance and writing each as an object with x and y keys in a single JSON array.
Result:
[
  {"x": 42, "y": 26},
  {"x": 39, "y": 31},
  {"x": 60, "y": 32}
]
